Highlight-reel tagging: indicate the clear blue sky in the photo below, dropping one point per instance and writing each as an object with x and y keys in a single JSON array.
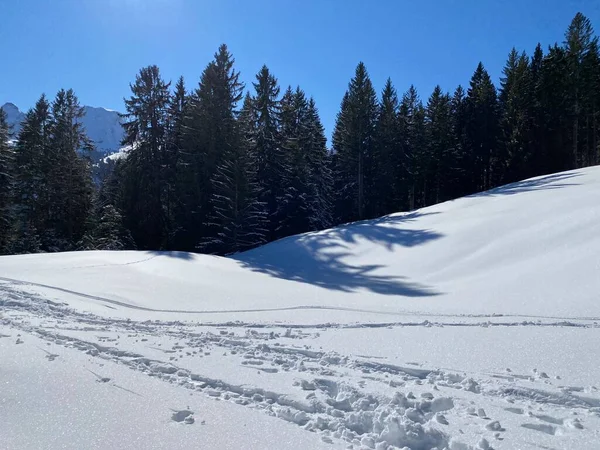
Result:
[{"x": 97, "y": 46}]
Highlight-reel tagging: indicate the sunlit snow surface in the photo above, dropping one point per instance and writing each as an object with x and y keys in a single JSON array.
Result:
[{"x": 468, "y": 325}]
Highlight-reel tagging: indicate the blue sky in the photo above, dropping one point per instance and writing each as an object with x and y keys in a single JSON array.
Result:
[{"x": 97, "y": 46}]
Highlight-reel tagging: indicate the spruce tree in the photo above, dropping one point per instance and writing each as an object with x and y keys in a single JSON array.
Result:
[
  {"x": 210, "y": 134},
  {"x": 272, "y": 169},
  {"x": 555, "y": 127},
  {"x": 238, "y": 215},
  {"x": 110, "y": 233},
  {"x": 579, "y": 43},
  {"x": 173, "y": 192},
  {"x": 68, "y": 180},
  {"x": 293, "y": 208},
  {"x": 145, "y": 126},
  {"x": 412, "y": 117},
  {"x": 388, "y": 186},
  {"x": 440, "y": 147},
  {"x": 31, "y": 193},
  {"x": 482, "y": 130},
  {"x": 6, "y": 186},
  {"x": 353, "y": 142},
  {"x": 516, "y": 107},
  {"x": 458, "y": 179},
  {"x": 320, "y": 178}
]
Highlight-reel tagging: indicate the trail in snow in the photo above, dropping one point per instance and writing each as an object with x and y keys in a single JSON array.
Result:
[
  {"x": 361, "y": 400},
  {"x": 564, "y": 321}
]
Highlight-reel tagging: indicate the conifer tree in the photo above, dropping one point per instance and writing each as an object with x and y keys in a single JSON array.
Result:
[
  {"x": 110, "y": 233},
  {"x": 6, "y": 186},
  {"x": 579, "y": 43},
  {"x": 174, "y": 193},
  {"x": 516, "y": 107},
  {"x": 31, "y": 193},
  {"x": 482, "y": 129},
  {"x": 209, "y": 134},
  {"x": 388, "y": 186},
  {"x": 272, "y": 169},
  {"x": 145, "y": 126},
  {"x": 555, "y": 132},
  {"x": 68, "y": 180},
  {"x": 440, "y": 147},
  {"x": 412, "y": 117},
  {"x": 238, "y": 215},
  {"x": 320, "y": 181},
  {"x": 353, "y": 144}
]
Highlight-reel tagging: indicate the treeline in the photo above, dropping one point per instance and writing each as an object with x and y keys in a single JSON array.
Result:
[{"x": 220, "y": 170}]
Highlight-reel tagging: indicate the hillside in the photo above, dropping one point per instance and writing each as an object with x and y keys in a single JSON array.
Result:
[{"x": 472, "y": 324}]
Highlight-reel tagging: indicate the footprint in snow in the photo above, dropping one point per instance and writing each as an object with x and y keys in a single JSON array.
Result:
[{"x": 184, "y": 416}]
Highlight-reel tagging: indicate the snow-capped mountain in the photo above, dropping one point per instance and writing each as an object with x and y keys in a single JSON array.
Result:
[
  {"x": 102, "y": 125},
  {"x": 14, "y": 116}
]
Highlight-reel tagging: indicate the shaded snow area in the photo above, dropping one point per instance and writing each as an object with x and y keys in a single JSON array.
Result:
[{"x": 469, "y": 325}]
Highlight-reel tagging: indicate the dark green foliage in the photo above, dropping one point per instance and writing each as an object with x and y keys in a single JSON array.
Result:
[
  {"x": 482, "y": 130},
  {"x": 353, "y": 145},
  {"x": 389, "y": 184},
  {"x": 266, "y": 144},
  {"x": 146, "y": 123},
  {"x": 238, "y": 216},
  {"x": 6, "y": 186},
  {"x": 441, "y": 148},
  {"x": 109, "y": 232},
  {"x": 516, "y": 102},
  {"x": 306, "y": 204},
  {"x": 69, "y": 183},
  {"x": 412, "y": 117},
  {"x": 53, "y": 186}
]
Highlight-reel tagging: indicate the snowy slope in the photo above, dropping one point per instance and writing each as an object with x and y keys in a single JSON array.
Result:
[
  {"x": 103, "y": 126},
  {"x": 469, "y": 324}
]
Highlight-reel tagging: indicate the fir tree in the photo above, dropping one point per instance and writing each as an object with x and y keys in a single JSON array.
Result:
[
  {"x": 388, "y": 187},
  {"x": 237, "y": 212},
  {"x": 516, "y": 108},
  {"x": 353, "y": 144},
  {"x": 68, "y": 180},
  {"x": 145, "y": 126},
  {"x": 272, "y": 171},
  {"x": 173, "y": 192},
  {"x": 579, "y": 43},
  {"x": 440, "y": 147},
  {"x": 110, "y": 233},
  {"x": 482, "y": 129},
  {"x": 209, "y": 134},
  {"x": 31, "y": 193},
  {"x": 320, "y": 178},
  {"x": 412, "y": 119},
  {"x": 6, "y": 186}
]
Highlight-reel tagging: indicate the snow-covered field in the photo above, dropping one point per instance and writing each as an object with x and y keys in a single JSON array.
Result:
[{"x": 473, "y": 324}]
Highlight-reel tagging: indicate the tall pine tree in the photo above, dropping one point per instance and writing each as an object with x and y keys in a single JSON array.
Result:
[
  {"x": 353, "y": 141},
  {"x": 6, "y": 186},
  {"x": 145, "y": 126}
]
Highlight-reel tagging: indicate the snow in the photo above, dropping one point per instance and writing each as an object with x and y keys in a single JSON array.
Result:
[
  {"x": 472, "y": 324},
  {"x": 120, "y": 154},
  {"x": 103, "y": 126}
]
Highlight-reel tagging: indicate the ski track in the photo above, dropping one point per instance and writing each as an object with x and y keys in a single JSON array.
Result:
[
  {"x": 325, "y": 397},
  {"x": 561, "y": 320}
]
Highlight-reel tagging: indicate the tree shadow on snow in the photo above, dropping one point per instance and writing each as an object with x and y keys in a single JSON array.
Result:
[
  {"x": 553, "y": 181},
  {"x": 319, "y": 258},
  {"x": 186, "y": 256}
]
